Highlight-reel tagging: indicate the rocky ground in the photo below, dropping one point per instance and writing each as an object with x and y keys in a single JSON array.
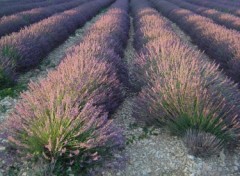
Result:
[{"x": 155, "y": 152}]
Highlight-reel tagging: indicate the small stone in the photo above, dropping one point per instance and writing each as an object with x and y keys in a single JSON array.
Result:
[
  {"x": 190, "y": 157},
  {"x": 24, "y": 174},
  {"x": 236, "y": 163},
  {"x": 222, "y": 164},
  {"x": 222, "y": 156},
  {"x": 235, "y": 168},
  {"x": 149, "y": 170},
  {"x": 2, "y": 148}
]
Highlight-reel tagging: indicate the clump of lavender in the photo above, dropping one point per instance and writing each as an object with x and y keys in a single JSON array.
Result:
[
  {"x": 64, "y": 118},
  {"x": 179, "y": 87},
  {"x": 59, "y": 121},
  {"x": 201, "y": 143}
]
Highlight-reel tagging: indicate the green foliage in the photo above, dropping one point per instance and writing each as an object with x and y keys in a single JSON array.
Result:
[
  {"x": 103, "y": 11},
  {"x": 12, "y": 90},
  {"x": 5, "y": 81},
  {"x": 146, "y": 133},
  {"x": 211, "y": 122},
  {"x": 82, "y": 164},
  {"x": 133, "y": 126},
  {"x": 9, "y": 56},
  {"x": 3, "y": 108},
  {"x": 10, "y": 52},
  {"x": 13, "y": 170},
  {"x": 26, "y": 18},
  {"x": 50, "y": 135},
  {"x": 207, "y": 124},
  {"x": 63, "y": 142}
]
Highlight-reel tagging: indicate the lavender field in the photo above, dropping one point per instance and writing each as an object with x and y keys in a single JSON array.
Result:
[{"x": 120, "y": 88}]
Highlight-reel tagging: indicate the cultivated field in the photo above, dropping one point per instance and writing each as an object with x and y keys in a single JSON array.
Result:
[{"x": 120, "y": 87}]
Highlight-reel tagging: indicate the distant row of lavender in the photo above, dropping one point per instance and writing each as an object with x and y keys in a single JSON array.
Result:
[
  {"x": 17, "y": 2},
  {"x": 64, "y": 117},
  {"x": 225, "y": 19},
  {"x": 25, "y": 49},
  {"x": 218, "y": 42},
  {"x": 8, "y": 10},
  {"x": 211, "y": 4},
  {"x": 15, "y": 22},
  {"x": 180, "y": 88},
  {"x": 120, "y": 32},
  {"x": 229, "y": 2}
]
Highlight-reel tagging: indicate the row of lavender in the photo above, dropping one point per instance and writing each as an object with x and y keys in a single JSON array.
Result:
[
  {"x": 234, "y": 3},
  {"x": 225, "y": 19},
  {"x": 218, "y": 42},
  {"x": 15, "y": 22},
  {"x": 8, "y": 10},
  {"x": 180, "y": 88},
  {"x": 16, "y": 2},
  {"x": 25, "y": 49},
  {"x": 223, "y": 7},
  {"x": 64, "y": 118}
]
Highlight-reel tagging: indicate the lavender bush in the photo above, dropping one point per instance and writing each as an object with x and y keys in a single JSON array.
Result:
[
  {"x": 180, "y": 88},
  {"x": 64, "y": 117},
  {"x": 26, "y": 48},
  {"x": 15, "y": 22},
  {"x": 201, "y": 143},
  {"x": 218, "y": 42}
]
